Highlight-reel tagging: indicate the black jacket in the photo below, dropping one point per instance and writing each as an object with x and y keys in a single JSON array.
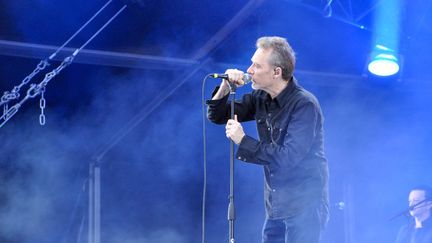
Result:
[{"x": 290, "y": 147}]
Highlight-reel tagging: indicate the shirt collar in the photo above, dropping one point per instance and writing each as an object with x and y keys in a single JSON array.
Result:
[{"x": 282, "y": 98}]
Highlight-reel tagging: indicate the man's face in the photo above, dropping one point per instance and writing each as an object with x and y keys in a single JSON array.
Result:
[
  {"x": 261, "y": 71},
  {"x": 423, "y": 209}
]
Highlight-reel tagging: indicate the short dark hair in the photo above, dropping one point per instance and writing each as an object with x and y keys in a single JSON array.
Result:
[{"x": 427, "y": 190}]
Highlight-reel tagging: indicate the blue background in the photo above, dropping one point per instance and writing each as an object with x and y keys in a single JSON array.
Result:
[{"x": 148, "y": 93}]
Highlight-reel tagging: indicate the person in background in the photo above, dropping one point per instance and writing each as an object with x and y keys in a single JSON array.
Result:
[{"x": 419, "y": 229}]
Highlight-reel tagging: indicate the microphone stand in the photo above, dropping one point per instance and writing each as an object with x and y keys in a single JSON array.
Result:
[
  {"x": 231, "y": 208},
  {"x": 404, "y": 212}
]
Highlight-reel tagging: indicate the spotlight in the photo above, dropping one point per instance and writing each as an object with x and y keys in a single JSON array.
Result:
[{"x": 384, "y": 65}]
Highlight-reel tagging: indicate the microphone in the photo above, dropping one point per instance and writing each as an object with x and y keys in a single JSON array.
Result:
[
  {"x": 417, "y": 205},
  {"x": 411, "y": 208},
  {"x": 246, "y": 76}
]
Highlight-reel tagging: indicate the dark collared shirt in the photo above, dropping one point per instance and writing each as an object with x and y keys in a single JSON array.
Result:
[
  {"x": 410, "y": 234},
  {"x": 290, "y": 147}
]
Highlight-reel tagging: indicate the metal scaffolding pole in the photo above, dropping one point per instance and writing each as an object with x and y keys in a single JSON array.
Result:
[{"x": 94, "y": 208}]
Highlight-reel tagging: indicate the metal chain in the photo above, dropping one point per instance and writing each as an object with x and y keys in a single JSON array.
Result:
[
  {"x": 42, "y": 104},
  {"x": 40, "y": 88},
  {"x": 14, "y": 94},
  {"x": 36, "y": 89}
]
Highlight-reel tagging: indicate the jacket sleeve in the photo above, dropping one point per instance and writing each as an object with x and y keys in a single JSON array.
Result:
[
  {"x": 219, "y": 111},
  {"x": 302, "y": 129}
]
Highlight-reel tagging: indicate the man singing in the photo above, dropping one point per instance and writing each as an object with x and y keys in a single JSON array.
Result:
[
  {"x": 290, "y": 146},
  {"x": 419, "y": 229}
]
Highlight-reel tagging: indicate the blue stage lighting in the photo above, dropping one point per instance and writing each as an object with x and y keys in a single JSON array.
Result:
[
  {"x": 384, "y": 59},
  {"x": 384, "y": 65}
]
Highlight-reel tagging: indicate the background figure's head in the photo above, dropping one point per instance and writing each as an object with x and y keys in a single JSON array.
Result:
[
  {"x": 418, "y": 194},
  {"x": 282, "y": 54}
]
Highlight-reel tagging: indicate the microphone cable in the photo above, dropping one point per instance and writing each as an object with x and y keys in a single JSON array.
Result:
[{"x": 204, "y": 118}]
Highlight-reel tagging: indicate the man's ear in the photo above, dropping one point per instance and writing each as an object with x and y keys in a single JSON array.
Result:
[{"x": 278, "y": 71}]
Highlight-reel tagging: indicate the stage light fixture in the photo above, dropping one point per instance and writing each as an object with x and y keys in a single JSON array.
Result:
[{"x": 384, "y": 64}]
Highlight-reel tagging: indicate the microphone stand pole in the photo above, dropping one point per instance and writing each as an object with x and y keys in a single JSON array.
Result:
[{"x": 231, "y": 208}]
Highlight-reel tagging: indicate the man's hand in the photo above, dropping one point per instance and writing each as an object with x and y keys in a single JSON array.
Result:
[
  {"x": 235, "y": 77},
  {"x": 234, "y": 130}
]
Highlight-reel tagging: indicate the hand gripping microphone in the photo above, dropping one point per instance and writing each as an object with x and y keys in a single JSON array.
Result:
[{"x": 246, "y": 77}]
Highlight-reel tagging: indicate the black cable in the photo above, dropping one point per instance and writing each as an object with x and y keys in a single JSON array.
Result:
[{"x": 204, "y": 118}]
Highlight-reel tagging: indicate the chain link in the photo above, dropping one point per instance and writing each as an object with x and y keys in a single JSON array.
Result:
[{"x": 42, "y": 104}]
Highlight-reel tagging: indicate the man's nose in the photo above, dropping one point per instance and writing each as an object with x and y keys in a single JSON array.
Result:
[{"x": 249, "y": 70}]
